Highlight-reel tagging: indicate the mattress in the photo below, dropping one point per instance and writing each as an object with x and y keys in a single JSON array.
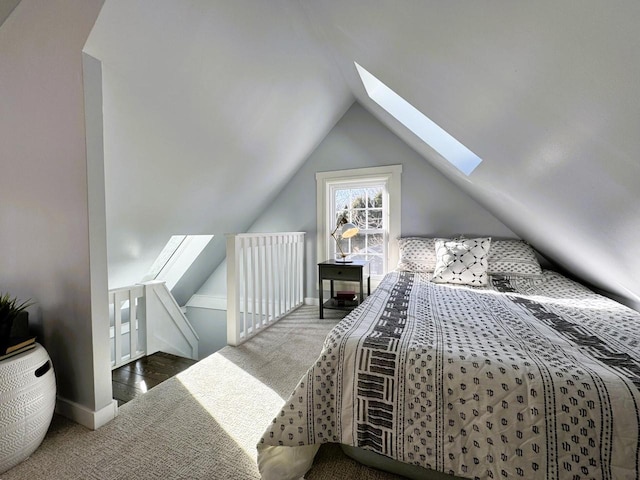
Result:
[{"x": 525, "y": 378}]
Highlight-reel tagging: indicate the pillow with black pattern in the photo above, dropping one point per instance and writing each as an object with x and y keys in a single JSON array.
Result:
[
  {"x": 462, "y": 261},
  {"x": 417, "y": 254},
  {"x": 513, "y": 257}
]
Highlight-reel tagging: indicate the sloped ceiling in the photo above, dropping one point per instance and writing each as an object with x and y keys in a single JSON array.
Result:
[
  {"x": 210, "y": 106},
  {"x": 547, "y": 93}
]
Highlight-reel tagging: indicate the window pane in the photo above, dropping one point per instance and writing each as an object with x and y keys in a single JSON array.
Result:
[
  {"x": 358, "y": 244},
  {"x": 338, "y": 216},
  {"x": 359, "y": 219},
  {"x": 342, "y": 198},
  {"x": 375, "y": 243},
  {"x": 358, "y": 197},
  {"x": 374, "y": 197},
  {"x": 374, "y": 219}
]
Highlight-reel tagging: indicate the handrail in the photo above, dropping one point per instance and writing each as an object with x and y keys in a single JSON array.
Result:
[
  {"x": 265, "y": 275},
  {"x": 144, "y": 319}
]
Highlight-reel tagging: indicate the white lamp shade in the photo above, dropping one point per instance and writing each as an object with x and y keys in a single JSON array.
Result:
[{"x": 349, "y": 230}]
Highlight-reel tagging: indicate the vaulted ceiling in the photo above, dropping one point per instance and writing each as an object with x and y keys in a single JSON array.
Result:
[{"x": 211, "y": 106}]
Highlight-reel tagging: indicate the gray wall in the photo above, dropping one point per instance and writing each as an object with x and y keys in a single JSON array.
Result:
[
  {"x": 431, "y": 204},
  {"x": 211, "y": 327},
  {"x": 44, "y": 225}
]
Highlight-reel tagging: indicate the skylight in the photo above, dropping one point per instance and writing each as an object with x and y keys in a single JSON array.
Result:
[
  {"x": 176, "y": 257},
  {"x": 429, "y": 132}
]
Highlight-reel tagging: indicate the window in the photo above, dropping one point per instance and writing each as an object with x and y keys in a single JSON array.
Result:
[
  {"x": 428, "y": 131},
  {"x": 176, "y": 258},
  {"x": 369, "y": 198},
  {"x": 364, "y": 204}
]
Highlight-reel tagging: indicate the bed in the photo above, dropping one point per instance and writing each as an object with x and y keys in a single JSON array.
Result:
[{"x": 496, "y": 370}]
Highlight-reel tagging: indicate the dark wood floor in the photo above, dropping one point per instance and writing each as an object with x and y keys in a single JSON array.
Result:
[{"x": 135, "y": 378}]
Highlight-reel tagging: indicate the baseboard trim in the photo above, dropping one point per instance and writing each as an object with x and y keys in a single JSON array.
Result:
[
  {"x": 207, "y": 301},
  {"x": 312, "y": 301},
  {"x": 82, "y": 415}
]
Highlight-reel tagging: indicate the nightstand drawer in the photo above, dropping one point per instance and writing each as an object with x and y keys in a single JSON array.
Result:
[{"x": 333, "y": 272}]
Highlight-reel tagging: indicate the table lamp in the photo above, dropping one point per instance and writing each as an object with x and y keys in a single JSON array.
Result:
[{"x": 347, "y": 230}]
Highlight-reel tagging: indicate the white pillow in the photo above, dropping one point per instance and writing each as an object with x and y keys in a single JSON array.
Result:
[
  {"x": 513, "y": 257},
  {"x": 462, "y": 261},
  {"x": 417, "y": 254}
]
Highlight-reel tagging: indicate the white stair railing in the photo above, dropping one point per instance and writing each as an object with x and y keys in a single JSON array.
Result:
[
  {"x": 265, "y": 275},
  {"x": 127, "y": 324},
  {"x": 145, "y": 319}
]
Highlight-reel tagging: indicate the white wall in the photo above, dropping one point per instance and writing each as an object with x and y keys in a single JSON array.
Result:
[
  {"x": 431, "y": 204},
  {"x": 545, "y": 92},
  {"x": 44, "y": 224},
  {"x": 209, "y": 108}
]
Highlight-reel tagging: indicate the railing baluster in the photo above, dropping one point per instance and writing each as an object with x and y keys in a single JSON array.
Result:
[
  {"x": 253, "y": 284},
  {"x": 112, "y": 321},
  {"x": 301, "y": 269},
  {"x": 278, "y": 275},
  {"x": 263, "y": 320},
  {"x": 292, "y": 265},
  {"x": 243, "y": 328},
  {"x": 287, "y": 247},
  {"x": 269, "y": 277},
  {"x": 282, "y": 276},
  {"x": 294, "y": 272},
  {"x": 133, "y": 332},
  {"x": 234, "y": 289},
  {"x": 299, "y": 262},
  {"x": 285, "y": 276},
  {"x": 117, "y": 327},
  {"x": 274, "y": 277},
  {"x": 239, "y": 327}
]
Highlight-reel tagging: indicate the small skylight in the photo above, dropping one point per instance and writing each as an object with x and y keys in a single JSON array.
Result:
[
  {"x": 448, "y": 147},
  {"x": 167, "y": 252},
  {"x": 176, "y": 257}
]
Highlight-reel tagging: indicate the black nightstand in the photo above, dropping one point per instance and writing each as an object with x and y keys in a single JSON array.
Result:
[{"x": 355, "y": 271}]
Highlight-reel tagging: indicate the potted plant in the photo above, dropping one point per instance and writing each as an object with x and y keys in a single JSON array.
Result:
[{"x": 14, "y": 319}]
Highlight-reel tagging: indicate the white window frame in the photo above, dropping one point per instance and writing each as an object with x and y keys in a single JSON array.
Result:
[{"x": 390, "y": 175}]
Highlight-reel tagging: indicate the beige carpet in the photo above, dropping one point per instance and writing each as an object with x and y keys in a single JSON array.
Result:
[{"x": 202, "y": 424}]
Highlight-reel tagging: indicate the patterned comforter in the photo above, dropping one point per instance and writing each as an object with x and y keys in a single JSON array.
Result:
[{"x": 526, "y": 378}]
